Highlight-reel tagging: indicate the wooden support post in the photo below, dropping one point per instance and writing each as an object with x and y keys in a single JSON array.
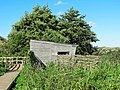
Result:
[
  {"x": 16, "y": 60},
  {"x": 4, "y": 59},
  {"x": 11, "y": 60}
]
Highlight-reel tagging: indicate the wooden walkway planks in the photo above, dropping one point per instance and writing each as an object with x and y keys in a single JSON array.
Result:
[{"x": 7, "y": 79}]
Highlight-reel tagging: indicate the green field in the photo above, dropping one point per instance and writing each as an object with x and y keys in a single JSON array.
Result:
[{"x": 104, "y": 76}]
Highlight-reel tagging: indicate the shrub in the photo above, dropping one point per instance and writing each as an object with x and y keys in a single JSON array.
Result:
[{"x": 105, "y": 76}]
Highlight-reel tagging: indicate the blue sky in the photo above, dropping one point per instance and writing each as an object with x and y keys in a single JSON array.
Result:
[{"x": 103, "y": 15}]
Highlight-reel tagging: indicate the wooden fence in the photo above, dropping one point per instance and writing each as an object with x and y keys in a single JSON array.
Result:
[{"x": 15, "y": 60}]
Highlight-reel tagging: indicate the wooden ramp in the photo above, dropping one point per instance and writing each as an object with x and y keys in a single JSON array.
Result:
[{"x": 7, "y": 79}]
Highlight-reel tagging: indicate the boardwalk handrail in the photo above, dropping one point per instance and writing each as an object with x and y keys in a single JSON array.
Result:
[{"x": 14, "y": 59}]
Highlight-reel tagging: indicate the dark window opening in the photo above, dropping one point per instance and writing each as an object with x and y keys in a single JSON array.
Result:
[{"x": 63, "y": 53}]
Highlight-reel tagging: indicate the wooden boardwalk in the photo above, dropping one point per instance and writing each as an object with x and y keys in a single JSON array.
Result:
[{"x": 7, "y": 79}]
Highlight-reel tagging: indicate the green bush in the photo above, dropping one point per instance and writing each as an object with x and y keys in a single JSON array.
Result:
[
  {"x": 3, "y": 68},
  {"x": 106, "y": 50},
  {"x": 105, "y": 76}
]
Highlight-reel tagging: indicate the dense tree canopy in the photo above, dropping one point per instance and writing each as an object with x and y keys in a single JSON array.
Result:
[
  {"x": 78, "y": 31},
  {"x": 41, "y": 24}
]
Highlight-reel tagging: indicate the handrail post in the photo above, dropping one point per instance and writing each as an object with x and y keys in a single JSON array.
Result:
[{"x": 16, "y": 60}]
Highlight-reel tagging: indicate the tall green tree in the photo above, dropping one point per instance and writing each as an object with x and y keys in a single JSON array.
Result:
[
  {"x": 73, "y": 26},
  {"x": 40, "y": 24}
]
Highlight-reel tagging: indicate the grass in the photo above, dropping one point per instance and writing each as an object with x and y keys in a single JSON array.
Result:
[
  {"x": 3, "y": 68},
  {"x": 105, "y": 76}
]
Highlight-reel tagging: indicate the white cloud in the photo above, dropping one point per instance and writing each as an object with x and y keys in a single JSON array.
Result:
[
  {"x": 59, "y": 13},
  {"x": 60, "y": 2},
  {"x": 91, "y": 23}
]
